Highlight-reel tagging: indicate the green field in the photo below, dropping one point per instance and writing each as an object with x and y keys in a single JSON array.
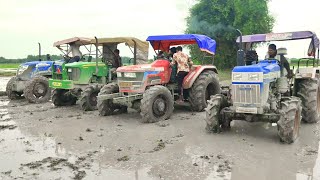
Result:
[{"x": 5, "y": 66}]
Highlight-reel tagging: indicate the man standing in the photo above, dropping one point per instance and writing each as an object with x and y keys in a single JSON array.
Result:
[
  {"x": 183, "y": 62},
  {"x": 116, "y": 59}
]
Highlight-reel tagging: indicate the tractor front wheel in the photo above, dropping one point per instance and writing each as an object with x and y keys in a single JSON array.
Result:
[
  {"x": 37, "y": 90},
  {"x": 156, "y": 104},
  {"x": 88, "y": 99},
  {"x": 62, "y": 97},
  {"x": 308, "y": 90},
  {"x": 214, "y": 119},
  {"x": 290, "y": 118},
  {"x": 9, "y": 89},
  {"x": 202, "y": 89},
  {"x": 106, "y": 107}
]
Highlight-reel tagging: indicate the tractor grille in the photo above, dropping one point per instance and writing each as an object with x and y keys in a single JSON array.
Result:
[
  {"x": 246, "y": 94},
  {"x": 74, "y": 74}
]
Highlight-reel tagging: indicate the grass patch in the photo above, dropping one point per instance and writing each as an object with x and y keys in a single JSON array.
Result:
[
  {"x": 224, "y": 74},
  {"x": 7, "y": 73},
  {"x": 5, "y": 66}
]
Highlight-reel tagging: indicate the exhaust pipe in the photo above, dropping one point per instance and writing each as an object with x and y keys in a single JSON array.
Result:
[
  {"x": 97, "y": 69},
  {"x": 240, "y": 53},
  {"x": 39, "y": 51}
]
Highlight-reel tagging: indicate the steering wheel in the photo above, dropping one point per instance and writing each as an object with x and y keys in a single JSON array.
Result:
[
  {"x": 130, "y": 60},
  {"x": 274, "y": 59},
  {"x": 66, "y": 58}
]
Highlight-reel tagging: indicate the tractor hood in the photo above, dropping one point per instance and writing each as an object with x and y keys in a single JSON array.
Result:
[
  {"x": 265, "y": 66},
  {"x": 264, "y": 71},
  {"x": 34, "y": 63},
  {"x": 158, "y": 65},
  {"x": 83, "y": 64}
]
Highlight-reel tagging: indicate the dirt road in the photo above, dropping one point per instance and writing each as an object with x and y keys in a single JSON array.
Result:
[{"x": 39, "y": 141}]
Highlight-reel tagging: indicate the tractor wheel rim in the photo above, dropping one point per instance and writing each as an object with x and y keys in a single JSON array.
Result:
[
  {"x": 39, "y": 90},
  {"x": 159, "y": 107},
  {"x": 93, "y": 99}
]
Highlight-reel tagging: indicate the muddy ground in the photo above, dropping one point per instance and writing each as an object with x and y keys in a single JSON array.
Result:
[{"x": 39, "y": 141}]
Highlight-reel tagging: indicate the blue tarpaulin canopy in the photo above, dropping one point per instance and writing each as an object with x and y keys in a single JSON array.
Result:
[{"x": 163, "y": 42}]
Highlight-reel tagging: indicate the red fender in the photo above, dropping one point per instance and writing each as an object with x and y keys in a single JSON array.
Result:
[{"x": 194, "y": 73}]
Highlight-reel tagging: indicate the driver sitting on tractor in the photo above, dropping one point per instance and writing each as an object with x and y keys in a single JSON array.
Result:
[
  {"x": 272, "y": 52},
  {"x": 184, "y": 63},
  {"x": 75, "y": 51}
]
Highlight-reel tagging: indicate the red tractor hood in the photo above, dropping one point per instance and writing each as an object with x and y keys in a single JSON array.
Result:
[{"x": 158, "y": 65}]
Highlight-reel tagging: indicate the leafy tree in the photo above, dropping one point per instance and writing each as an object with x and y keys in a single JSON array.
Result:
[{"x": 219, "y": 20}]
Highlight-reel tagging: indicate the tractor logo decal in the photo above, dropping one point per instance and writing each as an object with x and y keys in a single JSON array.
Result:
[{"x": 57, "y": 84}]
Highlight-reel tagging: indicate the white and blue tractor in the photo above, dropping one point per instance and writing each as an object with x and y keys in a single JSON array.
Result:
[{"x": 264, "y": 91}]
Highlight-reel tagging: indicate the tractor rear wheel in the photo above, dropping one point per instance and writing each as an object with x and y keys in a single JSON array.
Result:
[
  {"x": 214, "y": 119},
  {"x": 106, "y": 107},
  {"x": 10, "y": 93},
  {"x": 308, "y": 90},
  {"x": 37, "y": 90},
  {"x": 62, "y": 97},
  {"x": 206, "y": 85},
  {"x": 88, "y": 99},
  {"x": 156, "y": 104},
  {"x": 290, "y": 118}
]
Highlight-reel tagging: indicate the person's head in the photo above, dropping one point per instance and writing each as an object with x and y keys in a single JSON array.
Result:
[
  {"x": 173, "y": 50},
  {"x": 272, "y": 50},
  {"x": 179, "y": 48},
  {"x": 116, "y": 51}
]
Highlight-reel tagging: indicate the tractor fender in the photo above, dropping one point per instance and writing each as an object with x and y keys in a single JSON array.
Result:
[
  {"x": 194, "y": 73},
  {"x": 307, "y": 73}
]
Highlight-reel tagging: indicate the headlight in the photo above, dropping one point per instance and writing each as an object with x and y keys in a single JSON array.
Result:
[
  {"x": 236, "y": 77},
  {"x": 130, "y": 75},
  {"x": 118, "y": 74},
  {"x": 69, "y": 70},
  {"x": 253, "y": 77},
  {"x": 21, "y": 69}
]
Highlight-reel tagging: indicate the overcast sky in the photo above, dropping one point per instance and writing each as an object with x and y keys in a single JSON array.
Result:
[{"x": 24, "y": 23}]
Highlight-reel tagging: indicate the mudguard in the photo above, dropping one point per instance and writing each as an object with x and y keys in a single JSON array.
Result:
[{"x": 194, "y": 73}]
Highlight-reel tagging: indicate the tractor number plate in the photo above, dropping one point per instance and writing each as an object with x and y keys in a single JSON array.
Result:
[
  {"x": 57, "y": 84},
  {"x": 125, "y": 84}
]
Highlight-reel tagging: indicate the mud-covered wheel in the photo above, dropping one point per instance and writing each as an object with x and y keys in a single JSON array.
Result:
[
  {"x": 290, "y": 118},
  {"x": 206, "y": 85},
  {"x": 156, "y": 104},
  {"x": 106, "y": 107},
  {"x": 37, "y": 90},
  {"x": 308, "y": 90},
  {"x": 214, "y": 121},
  {"x": 88, "y": 99},
  {"x": 62, "y": 97},
  {"x": 9, "y": 89}
]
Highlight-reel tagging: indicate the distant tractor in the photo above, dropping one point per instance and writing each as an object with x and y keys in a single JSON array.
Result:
[
  {"x": 83, "y": 80},
  {"x": 151, "y": 89},
  {"x": 31, "y": 81},
  {"x": 260, "y": 91}
]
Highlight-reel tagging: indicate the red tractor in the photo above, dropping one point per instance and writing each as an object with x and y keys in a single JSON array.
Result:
[{"x": 152, "y": 90}]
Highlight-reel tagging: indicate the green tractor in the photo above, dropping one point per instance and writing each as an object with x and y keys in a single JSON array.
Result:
[{"x": 82, "y": 80}]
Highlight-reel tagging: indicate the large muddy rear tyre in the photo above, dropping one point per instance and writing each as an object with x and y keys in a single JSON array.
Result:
[
  {"x": 37, "y": 90},
  {"x": 157, "y": 104},
  {"x": 308, "y": 90},
  {"x": 9, "y": 89},
  {"x": 206, "y": 85},
  {"x": 88, "y": 99},
  {"x": 290, "y": 118},
  {"x": 62, "y": 97}
]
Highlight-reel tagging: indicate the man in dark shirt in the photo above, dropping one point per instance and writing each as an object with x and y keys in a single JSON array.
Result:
[
  {"x": 272, "y": 52},
  {"x": 116, "y": 59}
]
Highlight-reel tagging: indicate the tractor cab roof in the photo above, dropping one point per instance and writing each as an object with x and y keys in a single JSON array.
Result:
[
  {"x": 163, "y": 42},
  {"x": 286, "y": 36},
  {"x": 76, "y": 40},
  {"x": 130, "y": 41}
]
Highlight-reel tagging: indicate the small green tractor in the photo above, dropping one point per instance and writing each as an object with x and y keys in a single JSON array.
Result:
[{"x": 83, "y": 80}]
